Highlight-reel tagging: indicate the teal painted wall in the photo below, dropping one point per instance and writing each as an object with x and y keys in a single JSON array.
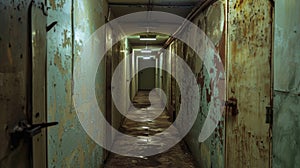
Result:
[
  {"x": 68, "y": 144},
  {"x": 286, "y": 124}
]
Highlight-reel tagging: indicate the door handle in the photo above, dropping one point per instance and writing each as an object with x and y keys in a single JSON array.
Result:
[{"x": 24, "y": 130}]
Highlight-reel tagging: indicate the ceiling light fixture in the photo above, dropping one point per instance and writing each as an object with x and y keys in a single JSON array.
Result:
[
  {"x": 146, "y": 57},
  {"x": 147, "y": 37},
  {"x": 146, "y": 51}
]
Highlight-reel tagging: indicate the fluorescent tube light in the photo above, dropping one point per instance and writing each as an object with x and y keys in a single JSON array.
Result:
[
  {"x": 146, "y": 51},
  {"x": 147, "y": 37},
  {"x": 146, "y": 58}
]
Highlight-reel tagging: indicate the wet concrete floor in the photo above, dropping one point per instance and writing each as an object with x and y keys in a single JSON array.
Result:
[{"x": 176, "y": 156}]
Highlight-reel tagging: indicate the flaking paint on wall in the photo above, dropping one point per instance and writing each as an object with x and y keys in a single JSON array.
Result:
[
  {"x": 68, "y": 144},
  {"x": 213, "y": 20},
  {"x": 211, "y": 152},
  {"x": 57, "y": 4}
]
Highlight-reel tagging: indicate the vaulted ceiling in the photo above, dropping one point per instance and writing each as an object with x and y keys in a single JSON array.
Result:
[{"x": 178, "y": 7}]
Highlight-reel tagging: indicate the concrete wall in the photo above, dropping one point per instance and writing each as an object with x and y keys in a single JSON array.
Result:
[
  {"x": 211, "y": 152},
  {"x": 286, "y": 124},
  {"x": 68, "y": 144}
]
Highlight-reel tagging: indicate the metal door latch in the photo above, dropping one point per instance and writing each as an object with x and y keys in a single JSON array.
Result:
[
  {"x": 23, "y": 130},
  {"x": 231, "y": 104}
]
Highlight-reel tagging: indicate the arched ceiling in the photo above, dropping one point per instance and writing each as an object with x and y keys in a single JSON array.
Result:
[{"x": 179, "y": 7}]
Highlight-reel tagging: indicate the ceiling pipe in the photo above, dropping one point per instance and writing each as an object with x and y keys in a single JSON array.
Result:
[{"x": 200, "y": 7}]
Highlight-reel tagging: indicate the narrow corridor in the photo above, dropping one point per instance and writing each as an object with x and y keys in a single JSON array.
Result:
[
  {"x": 177, "y": 156},
  {"x": 149, "y": 83}
]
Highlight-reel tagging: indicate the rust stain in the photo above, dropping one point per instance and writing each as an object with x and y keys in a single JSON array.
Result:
[
  {"x": 61, "y": 3},
  {"x": 66, "y": 39},
  {"x": 249, "y": 68},
  {"x": 52, "y": 4},
  {"x": 239, "y": 5},
  {"x": 58, "y": 62},
  {"x": 233, "y": 48},
  {"x": 9, "y": 55},
  {"x": 220, "y": 131}
]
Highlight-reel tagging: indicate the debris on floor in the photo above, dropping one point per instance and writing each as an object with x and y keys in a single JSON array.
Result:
[{"x": 177, "y": 156}]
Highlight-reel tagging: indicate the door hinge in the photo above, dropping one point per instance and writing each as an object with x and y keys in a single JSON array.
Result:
[{"x": 269, "y": 115}]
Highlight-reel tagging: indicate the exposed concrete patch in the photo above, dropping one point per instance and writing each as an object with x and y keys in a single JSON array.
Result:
[
  {"x": 57, "y": 4},
  {"x": 58, "y": 62},
  {"x": 67, "y": 39},
  {"x": 53, "y": 4}
]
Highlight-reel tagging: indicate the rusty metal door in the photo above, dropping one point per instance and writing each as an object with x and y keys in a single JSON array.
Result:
[
  {"x": 248, "y": 138},
  {"x": 38, "y": 51},
  {"x": 25, "y": 88}
]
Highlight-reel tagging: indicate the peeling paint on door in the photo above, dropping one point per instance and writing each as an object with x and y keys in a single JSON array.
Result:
[{"x": 249, "y": 82}]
